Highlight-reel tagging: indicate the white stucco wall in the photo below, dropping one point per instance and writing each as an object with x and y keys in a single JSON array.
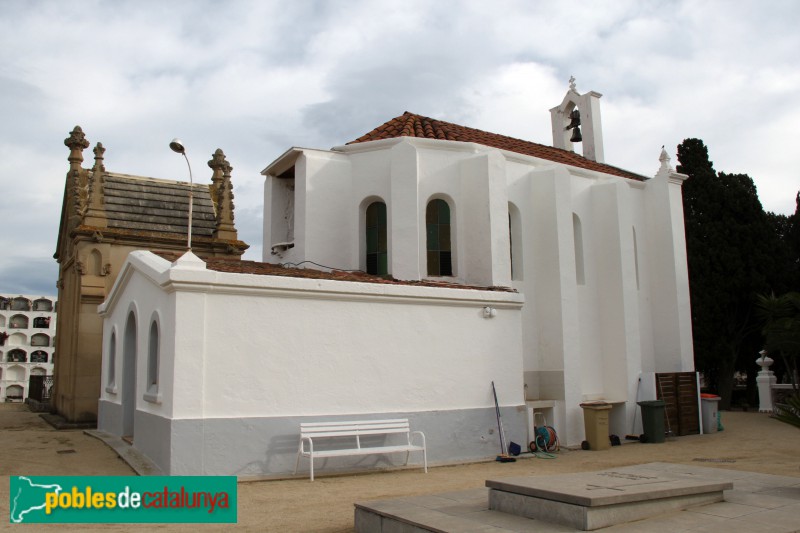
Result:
[
  {"x": 239, "y": 345},
  {"x": 581, "y": 340}
]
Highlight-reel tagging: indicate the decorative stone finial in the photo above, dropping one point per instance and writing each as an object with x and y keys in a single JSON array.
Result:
[
  {"x": 222, "y": 195},
  {"x": 93, "y": 200},
  {"x": 98, "y": 157},
  {"x": 664, "y": 158},
  {"x": 572, "y": 84},
  {"x": 77, "y": 143},
  {"x": 218, "y": 160}
]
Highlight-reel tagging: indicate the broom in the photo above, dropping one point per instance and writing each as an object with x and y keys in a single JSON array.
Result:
[{"x": 503, "y": 457}]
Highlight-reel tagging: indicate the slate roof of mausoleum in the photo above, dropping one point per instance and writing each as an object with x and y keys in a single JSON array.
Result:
[
  {"x": 153, "y": 205},
  {"x": 412, "y": 125}
]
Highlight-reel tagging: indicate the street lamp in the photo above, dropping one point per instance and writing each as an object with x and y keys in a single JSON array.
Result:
[{"x": 177, "y": 146}]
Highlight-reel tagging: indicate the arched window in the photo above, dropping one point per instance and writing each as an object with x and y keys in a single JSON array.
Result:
[
  {"x": 39, "y": 356},
  {"x": 437, "y": 226},
  {"x": 636, "y": 257},
  {"x": 38, "y": 371},
  {"x": 577, "y": 231},
  {"x": 377, "y": 248},
  {"x": 2, "y": 321},
  {"x": 128, "y": 375},
  {"x": 515, "y": 241},
  {"x": 17, "y": 356},
  {"x": 18, "y": 322},
  {"x": 41, "y": 322},
  {"x": 152, "y": 359},
  {"x": 111, "y": 372}
]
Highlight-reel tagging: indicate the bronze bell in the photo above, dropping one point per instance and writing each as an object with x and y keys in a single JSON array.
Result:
[
  {"x": 575, "y": 119},
  {"x": 576, "y": 135}
]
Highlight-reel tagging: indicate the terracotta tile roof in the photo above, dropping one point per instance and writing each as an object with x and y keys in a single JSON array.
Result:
[
  {"x": 268, "y": 269},
  {"x": 411, "y": 125}
]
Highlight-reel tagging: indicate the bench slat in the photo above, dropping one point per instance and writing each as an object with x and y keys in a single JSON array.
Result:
[
  {"x": 336, "y": 432},
  {"x": 364, "y": 451},
  {"x": 354, "y": 426},
  {"x": 356, "y": 422}
]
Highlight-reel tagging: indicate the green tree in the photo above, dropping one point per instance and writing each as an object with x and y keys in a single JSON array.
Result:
[{"x": 728, "y": 240}]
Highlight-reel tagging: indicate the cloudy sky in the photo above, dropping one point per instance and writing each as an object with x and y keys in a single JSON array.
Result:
[{"x": 257, "y": 77}]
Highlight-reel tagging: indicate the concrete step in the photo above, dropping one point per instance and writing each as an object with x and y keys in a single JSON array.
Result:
[{"x": 463, "y": 512}]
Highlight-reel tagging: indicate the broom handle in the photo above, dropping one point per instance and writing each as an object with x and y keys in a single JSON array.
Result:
[{"x": 499, "y": 424}]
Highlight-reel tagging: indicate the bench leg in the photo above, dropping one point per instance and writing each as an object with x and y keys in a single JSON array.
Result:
[
  {"x": 425, "y": 458},
  {"x": 311, "y": 466},
  {"x": 297, "y": 461}
]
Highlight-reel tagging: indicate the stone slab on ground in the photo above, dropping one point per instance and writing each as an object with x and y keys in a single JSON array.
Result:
[
  {"x": 608, "y": 487},
  {"x": 591, "y": 500}
]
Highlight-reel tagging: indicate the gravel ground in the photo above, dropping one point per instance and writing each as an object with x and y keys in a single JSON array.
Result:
[{"x": 751, "y": 442}]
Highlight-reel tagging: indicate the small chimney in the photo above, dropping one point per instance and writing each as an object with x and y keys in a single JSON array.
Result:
[{"x": 584, "y": 125}]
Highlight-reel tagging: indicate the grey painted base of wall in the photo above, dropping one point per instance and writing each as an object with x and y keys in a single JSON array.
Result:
[
  {"x": 109, "y": 417},
  {"x": 268, "y": 446}
]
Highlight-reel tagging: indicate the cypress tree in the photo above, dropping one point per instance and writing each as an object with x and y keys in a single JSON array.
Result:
[{"x": 728, "y": 239}]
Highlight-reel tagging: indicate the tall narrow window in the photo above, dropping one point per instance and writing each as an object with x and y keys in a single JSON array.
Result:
[
  {"x": 636, "y": 257},
  {"x": 152, "y": 359},
  {"x": 577, "y": 231},
  {"x": 111, "y": 376},
  {"x": 511, "y": 245},
  {"x": 377, "y": 256},
  {"x": 515, "y": 241},
  {"x": 437, "y": 224}
]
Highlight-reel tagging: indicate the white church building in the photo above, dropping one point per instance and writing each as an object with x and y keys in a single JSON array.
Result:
[{"x": 560, "y": 278}]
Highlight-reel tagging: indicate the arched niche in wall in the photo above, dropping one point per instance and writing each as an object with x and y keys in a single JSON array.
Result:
[
  {"x": 18, "y": 322},
  {"x": 40, "y": 339},
  {"x": 94, "y": 263},
  {"x": 43, "y": 304}
]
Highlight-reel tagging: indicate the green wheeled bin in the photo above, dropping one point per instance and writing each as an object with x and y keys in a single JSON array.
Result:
[{"x": 653, "y": 412}]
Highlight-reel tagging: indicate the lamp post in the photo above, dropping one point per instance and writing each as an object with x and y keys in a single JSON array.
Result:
[{"x": 177, "y": 146}]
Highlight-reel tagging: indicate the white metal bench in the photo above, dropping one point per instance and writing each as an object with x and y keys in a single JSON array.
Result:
[{"x": 313, "y": 432}]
